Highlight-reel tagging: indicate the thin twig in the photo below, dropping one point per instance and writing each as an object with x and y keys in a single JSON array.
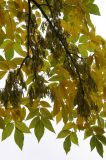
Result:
[
  {"x": 19, "y": 69},
  {"x": 28, "y": 27}
]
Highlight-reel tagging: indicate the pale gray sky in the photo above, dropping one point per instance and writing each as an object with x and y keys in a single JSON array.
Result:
[{"x": 51, "y": 148}]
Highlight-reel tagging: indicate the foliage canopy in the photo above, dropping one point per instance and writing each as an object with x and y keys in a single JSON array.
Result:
[{"x": 50, "y": 50}]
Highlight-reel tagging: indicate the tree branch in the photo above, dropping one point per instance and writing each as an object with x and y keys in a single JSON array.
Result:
[
  {"x": 63, "y": 42},
  {"x": 28, "y": 27},
  {"x": 28, "y": 38}
]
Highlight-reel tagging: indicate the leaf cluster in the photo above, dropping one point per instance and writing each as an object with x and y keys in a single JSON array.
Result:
[{"x": 50, "y": 51}]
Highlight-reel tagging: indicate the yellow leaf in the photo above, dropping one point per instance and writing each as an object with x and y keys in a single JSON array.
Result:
[
  {"x": 80, "y": 122},
  {"x": 2, "y": 74},
  {"x": 37, "y": 14},
  {"x": 58, "y": 117},
  {"x": 70, "y": 125}
]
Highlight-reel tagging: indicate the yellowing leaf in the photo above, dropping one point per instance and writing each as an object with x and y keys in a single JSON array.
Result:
[
  {"x": 4, "y": 65},
  {"x": 83, "y": 50},
  {"x": 70, "y": 125},
  {"x": 2, "y": 123},
  {"x": 83, "y": 39},
  {"x": 2, "y": 74},
  {"x": 58, "y": 117},
  {"x": 37, "y": 14}
]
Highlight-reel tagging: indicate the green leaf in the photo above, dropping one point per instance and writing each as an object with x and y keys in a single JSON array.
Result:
[
  {"x": 19, "y": 50},
  {"x": 63, "y": 133},
  {"x": 83, "y": 50},
  {"x": 22, "y": 127},
  {"x": 74, "y": 138},
  {"x": 45, "y": 113},
  {"x": 6, "y": 43},
  {"x": 44, "y": 104},
  {"x": 17, "y": 60},
  {"x": 2, "y": 74},
  {"x": 99, "y": 148},
  {"x": 33, "y": 113},
  {"x": 39, "y": 130},
  {"x": 101, "y": 122},
  {"x": 4, "y": 65},
  {"x": 9, "y": 54},
  {"x": 2, "y": 123},
  {"x": 47, "y": 124},
  {"x": 93, "y": 9},
  {"x": 67, "y": 144},
  {"x": 33, "y": 122},
  {"x": 98, "y": 130},
  {"x": 90, "y": 1},
  {"x": 88, "y": 133},
  {"x": 93, "y": 142},
  {"x": 1, "y": 58},
  {"x": 7, "y": 131},
  {"x": 19, "y": 138},
  {"x": 83, "y": 39},
  {"x": 102, "y": 138}
]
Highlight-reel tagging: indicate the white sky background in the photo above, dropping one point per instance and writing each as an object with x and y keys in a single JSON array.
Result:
[{"x": 51, "y": 148}]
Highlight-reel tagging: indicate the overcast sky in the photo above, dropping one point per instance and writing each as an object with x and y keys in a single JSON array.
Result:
[{"x": 51, "y": 148}]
